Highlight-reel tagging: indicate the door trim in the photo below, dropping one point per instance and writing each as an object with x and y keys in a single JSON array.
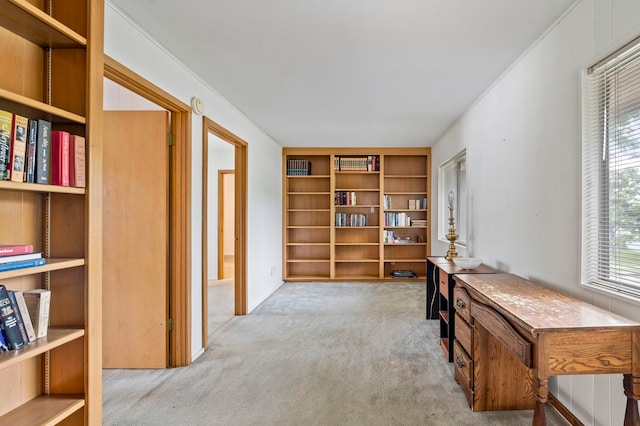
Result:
[
  {"x": 179, "y": 296},
  {"x": 221, "y": 221},
  {"x": 240, "y": 207}
]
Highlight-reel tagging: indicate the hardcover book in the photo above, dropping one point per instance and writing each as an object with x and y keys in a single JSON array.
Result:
[
  {"x": 16, "y": 311},
  {"x": 6, "y": 121},
  {"x": 38, "y": 302},
  {"x": 43, "y": 148},
  {"x": 13, "y": 249},
  {"x": 18, "y": 257},
  {"x": 32, "y": 141},
  {"x": 76, "y": 161},
  {"x": 60, "y": 158},
  {"x": 18, "y": 148},
  {"x": 24, "y": 313},
  {"x": 9, "y": 322},
  {"x": 21, "y": 264}
]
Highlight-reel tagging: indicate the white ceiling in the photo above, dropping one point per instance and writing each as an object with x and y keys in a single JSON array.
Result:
[{"x": 348, "y": 72}]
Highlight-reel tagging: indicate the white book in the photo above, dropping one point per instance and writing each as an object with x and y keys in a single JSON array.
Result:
[
  {"x": 38, "y": 302},
  {"x": 19, "y": 257},
  {"x": 26, "y": 317}
]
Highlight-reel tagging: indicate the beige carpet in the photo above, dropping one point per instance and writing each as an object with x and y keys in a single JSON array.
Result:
[{"x": 311, "y": 354}]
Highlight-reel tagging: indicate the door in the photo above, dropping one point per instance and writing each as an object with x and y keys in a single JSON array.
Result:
[
  {"x": 135, "y": 239},
  {"x": 226, "y": 224}
]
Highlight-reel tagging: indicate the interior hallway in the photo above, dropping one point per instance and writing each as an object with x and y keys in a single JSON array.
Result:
[{"x": 311, "y": 354}]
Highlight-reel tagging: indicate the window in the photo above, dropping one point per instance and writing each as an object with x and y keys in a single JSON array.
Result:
[
  {"x": 611, "y": 174},
  {"x": 453, "y": 178}
]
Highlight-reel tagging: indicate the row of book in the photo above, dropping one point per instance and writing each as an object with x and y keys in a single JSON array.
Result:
[
  {"x": 397, "y": 219},
  {"x": 370, "y": 163},
  {"x": 24, "y": 317},
  {"x": 298, "y": 167},
  {"x": 345, "y": 198},
  {"x": 417, "y": 204},
  {"x": 19, "y": 256},
  {"x": 30, "y": 151},
  {"x": 389, "y": 237},
  {"x": 352, "y": 219}
]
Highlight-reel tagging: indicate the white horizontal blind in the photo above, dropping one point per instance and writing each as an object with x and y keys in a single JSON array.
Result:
[{"x": 611, "y": 174}]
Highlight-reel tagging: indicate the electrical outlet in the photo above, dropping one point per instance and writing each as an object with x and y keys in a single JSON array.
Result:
[{"x": 273, "y": 270}]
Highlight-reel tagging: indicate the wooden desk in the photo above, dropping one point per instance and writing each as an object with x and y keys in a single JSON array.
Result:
[{"x": 545, "y": 333}]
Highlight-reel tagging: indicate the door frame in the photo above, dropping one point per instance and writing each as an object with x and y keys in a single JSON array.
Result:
[
  {"x": 179, "y": 254},
  {"x": 221, "y": 221},
  {"x": 240, "y": 214}
]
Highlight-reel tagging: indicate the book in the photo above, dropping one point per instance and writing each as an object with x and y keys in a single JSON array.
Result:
[
  {"x": 6, "y": 121},
  {"x": 76, "y": 161},
  {"x": 60, "y": 158},
  {"x": 9, "y": 322},
  {"x": 21, "y": 264},
  {"x": 38, "y": 302},
  {"x": 13, "y": 249},
  {"x": 19, "y": 257},
  {"x": 43, "y": 151},
  {"x": 18, "y": 148},
  {"x": 16, "y": 311},
  {"x": 3, "y": 344},
  {"x": 32, "y": 140},
  {"x": 24, "y": 313}
]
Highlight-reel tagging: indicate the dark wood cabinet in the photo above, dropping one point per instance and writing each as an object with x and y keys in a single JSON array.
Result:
[{"x": 440, "y": 285}]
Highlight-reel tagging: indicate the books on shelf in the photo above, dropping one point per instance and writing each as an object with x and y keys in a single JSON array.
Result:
[
  {"x": 298, "y": 167},
  {"x": 419, "y": 222},
  {"x": 345, "y": 198},
  {"x": 369, "y": 163},
  {"x": 9, "y": 321},
  {"x": 6, "y": 122},
  {"x": 19, "y": 257},
  {"x": 352, "y": 219},
  {"x": 389, "y": 237},
  {"x": 77, "y": 161},
  {"x": 38, "y": 302},
  {"x": 43, "y": 152},
  {"x": 32, "y": 141},
  {"x": 418, "y": 204},
  {"x": 18, "y": 148},
  {"x": 397, "y": 219},
  {"x": 14, "y": 249},
  {"x": 21, "y": 264},
  {"x": 60, "y": 158},
  {"x": 18, "y": 314},
  {"x": 24, "y": 313}
]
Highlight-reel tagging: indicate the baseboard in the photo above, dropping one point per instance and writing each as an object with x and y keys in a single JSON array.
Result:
[
  {"x": 564, "y": 411},
  {"x": 255, "y": 305}
]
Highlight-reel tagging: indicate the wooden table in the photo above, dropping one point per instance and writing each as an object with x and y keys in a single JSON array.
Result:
[{"x": 548, "y": 333}]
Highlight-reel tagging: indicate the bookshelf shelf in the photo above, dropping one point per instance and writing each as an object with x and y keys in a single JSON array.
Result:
[
  {"x": 53, "y": 70},
  {"x": 55, "y": 337},
  {"x": 355, "y": 253}
]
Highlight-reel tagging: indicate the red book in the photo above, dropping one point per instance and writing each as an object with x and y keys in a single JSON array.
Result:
[
  {"x": 76, "y": 161},
  {"x": 60, "y": 158},
  {"x": 13, "y": 249}
]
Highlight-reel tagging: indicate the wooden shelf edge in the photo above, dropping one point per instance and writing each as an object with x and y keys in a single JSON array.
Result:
[
  {"x": 36, "y": 187},
  {"x": 308, "y": 261},
  {"x": 363, "y": 206},
  {"x": 50, "y": 112},
  {"x": 44, "y": 410},
  {"x": 309, "y": 193},
  {"x": 357, "y": 261},
  {"x": 309, "y": 244},
  {"x": 406, "y": 176},
  {"x": 55, "y": 337},
  {"x": 403, "y": 260},
  {"x": 33, "y": 24},
  {"x": 51, "y": 265},
  {"x": 309, "y": 176}
]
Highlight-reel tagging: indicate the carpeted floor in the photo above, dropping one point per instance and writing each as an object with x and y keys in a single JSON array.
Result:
[{"x": 311, "y": 354}]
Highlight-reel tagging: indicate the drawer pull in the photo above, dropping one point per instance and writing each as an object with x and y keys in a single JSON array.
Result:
[
  {"x": 459, "y": 303},
  {"x": 459, "y": 361}
]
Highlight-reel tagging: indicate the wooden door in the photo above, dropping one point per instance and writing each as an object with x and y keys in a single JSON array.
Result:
[{"x": 135, "y": 239}]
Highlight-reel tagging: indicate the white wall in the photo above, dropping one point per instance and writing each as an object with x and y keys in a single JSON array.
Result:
[
  {"x": 128, "y": 44},
  {"x": 523, "y": 150}
]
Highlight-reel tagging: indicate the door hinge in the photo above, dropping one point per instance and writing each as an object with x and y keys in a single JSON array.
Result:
[
  {"x": 169, "y": 324},
  {"x": 170, "y": 139}
]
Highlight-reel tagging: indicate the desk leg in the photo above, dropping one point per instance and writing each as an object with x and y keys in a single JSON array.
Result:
[
  {"x": 541, "y": 391},
  {"x": 632, "y": 391}
]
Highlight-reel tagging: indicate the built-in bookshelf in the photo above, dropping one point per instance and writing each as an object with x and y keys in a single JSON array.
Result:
[
  {"x": 341, "y": 219},
  {"x": 52, "y": 69}
]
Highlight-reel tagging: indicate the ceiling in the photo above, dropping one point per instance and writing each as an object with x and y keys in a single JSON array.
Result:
[{"x": 370, "y": 73}]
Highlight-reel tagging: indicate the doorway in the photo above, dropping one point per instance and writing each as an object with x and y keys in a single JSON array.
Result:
[
  {"x": 178, "y": 254},
  {"x": 226, "y": 228},
  {"x": 238, "y": 160}
]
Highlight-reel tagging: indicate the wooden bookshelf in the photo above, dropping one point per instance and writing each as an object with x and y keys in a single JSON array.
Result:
[
  {"x": 334, "y": 219},
  {"x": 52, "y": 61}
]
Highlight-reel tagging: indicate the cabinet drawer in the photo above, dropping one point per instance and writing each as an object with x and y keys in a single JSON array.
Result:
[
  {"x": 443, "y": 279},
  {"x": 462, "y": 303},
  {"x": 463, "y": 371},
  {"x": 464, "y": 333}
]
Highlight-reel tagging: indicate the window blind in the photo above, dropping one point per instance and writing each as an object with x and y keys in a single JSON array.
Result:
[{"x": 611, "y": 174}]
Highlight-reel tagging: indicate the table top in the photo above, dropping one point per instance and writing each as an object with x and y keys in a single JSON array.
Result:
[
  {"x": 451, "y": 268},
  {"x": 538, "y": 308}
]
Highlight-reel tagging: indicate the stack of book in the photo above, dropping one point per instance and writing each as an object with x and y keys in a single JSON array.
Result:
[
  {"x": 370, "y": 163},
  {"x": 419, "y": 222},
  {"x": 18, "y": 256}
]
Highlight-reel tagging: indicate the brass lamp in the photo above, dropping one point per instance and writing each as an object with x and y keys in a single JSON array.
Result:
[{"x": 451, "y": 236}]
